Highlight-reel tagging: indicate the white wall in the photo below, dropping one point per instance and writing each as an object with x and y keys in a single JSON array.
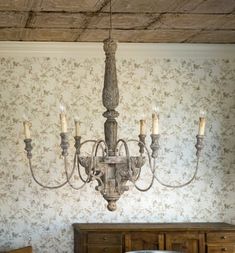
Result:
[{"x": 181, "y": 79}]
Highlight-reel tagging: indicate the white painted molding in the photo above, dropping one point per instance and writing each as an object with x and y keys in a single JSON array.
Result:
[{"x": 126, "y": 50}]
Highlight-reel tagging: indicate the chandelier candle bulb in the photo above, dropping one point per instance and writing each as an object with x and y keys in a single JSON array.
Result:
[
  {"x": 143, "y": 126},
  {"x": 27, "y": 125},
  {"x": 155, "y": 128},
  {"x": 202, "y": 123},
  {"x": 63, "y": 122},
  {"x": 77, "y": 127}
]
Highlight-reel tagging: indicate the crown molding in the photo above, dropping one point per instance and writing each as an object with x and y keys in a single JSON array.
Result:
[{"x": 126, "y": 50}]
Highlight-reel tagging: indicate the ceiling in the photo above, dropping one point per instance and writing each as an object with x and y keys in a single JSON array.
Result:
[{"x": 163, "y": 21}]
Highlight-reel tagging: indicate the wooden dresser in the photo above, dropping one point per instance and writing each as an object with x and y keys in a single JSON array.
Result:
[{"x": 183, "y": 237}]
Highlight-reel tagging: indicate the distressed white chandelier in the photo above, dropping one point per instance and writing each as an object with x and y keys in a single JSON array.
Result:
[{"x": 111, "y": 170}]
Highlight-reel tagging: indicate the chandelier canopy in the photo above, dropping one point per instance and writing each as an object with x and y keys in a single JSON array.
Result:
[{"x": 111, "y": 170}]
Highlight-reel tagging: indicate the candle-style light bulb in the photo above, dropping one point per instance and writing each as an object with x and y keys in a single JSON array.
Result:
[
  {"x": 202, "y": 114},
  {"x": 77, "y": 126},
  {"x": 62, "y": 108},
  {"x": 202, "y": 123},
  {"x": 63, "y": 120},
  {"x": 156, "y": 109}
]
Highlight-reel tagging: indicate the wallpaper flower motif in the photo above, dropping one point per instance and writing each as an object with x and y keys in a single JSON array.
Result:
[{"x": 180, "y": 87}]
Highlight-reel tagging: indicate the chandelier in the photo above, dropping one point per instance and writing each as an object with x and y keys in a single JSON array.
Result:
[{"x": 110, "y": 168}]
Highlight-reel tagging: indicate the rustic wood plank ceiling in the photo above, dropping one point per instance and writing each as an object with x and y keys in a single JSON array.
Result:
[{"x": 163, "y": 21}]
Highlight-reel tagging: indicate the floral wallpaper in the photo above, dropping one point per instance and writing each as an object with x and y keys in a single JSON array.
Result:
[{"x": 180, "y": 87}]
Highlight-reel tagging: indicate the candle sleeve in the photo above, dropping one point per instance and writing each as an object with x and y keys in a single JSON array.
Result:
[
  {"x": 63, "y": 122},
  {"x": 143, "y": 127},
  {"x": 27, "y": 129},
  {"x": 155, "y": 127},
  {"x": 77, "y": 128},
  {"x": 202, "y": 123}
]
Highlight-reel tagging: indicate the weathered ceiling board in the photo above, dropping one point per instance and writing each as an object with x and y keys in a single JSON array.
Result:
[{"x": 160, "y": 21}]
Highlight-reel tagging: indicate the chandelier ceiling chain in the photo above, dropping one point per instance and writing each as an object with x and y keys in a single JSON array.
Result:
[
  {"x": 111, "y": 169},
  {"x": 110, "y": 20}
]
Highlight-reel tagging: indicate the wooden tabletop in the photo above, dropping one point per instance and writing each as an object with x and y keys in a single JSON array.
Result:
[{"x": 196, "y": 226}]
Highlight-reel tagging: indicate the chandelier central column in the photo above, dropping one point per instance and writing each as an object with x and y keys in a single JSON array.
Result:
[{"x": 110, "y": 96}]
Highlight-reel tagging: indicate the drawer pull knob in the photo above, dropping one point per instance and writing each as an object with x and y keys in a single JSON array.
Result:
[
  {"x": 223, "y": 237},
  {"x": 105, "y": 250},
  {"x": 105, "y": 238},
  {"x": 224, "y": 249}
]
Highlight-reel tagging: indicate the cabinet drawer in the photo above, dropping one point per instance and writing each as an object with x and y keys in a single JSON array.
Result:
[
  {"x": 221, "y": 249},
  {"x": 104, "y": 249},
  {"x": 104, "y": 238},
  {"x": 220, "y": 237}
]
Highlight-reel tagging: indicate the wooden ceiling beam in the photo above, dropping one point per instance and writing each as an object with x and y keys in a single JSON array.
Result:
[{"x": 133, "y": 21}]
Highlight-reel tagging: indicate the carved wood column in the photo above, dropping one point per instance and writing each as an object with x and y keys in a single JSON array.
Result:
[{"x": 110, "y": 96}]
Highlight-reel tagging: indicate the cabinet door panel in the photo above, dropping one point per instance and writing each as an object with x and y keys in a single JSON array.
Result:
[
  {"x": 183, "y": 242},
  {"x": 146, "y": 241}
]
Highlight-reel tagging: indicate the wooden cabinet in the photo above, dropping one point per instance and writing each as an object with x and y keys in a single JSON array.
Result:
[{"x": 182, "y": 237}]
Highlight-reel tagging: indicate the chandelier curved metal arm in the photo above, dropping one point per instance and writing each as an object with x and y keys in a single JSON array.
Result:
[
  {"x": 28, "y": 148},
  {"x": 199, "y": 147},
  {"x": 180, "y": 185},
  {"x": 78, "y": 146},
  {"x": 89, "y": 172},
  {"x": 79, "y": 171},
  {"x": 143, "y": 147}
]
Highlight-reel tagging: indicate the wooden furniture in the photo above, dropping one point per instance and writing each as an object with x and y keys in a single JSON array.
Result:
[
  {"x": 152, "y": 251},
  {"x": 183, "y": 237},
  {"x": 21, "y": 250}
]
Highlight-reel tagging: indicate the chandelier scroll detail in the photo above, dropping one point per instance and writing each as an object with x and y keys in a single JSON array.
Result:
[{"x": 112, "y": 170}]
